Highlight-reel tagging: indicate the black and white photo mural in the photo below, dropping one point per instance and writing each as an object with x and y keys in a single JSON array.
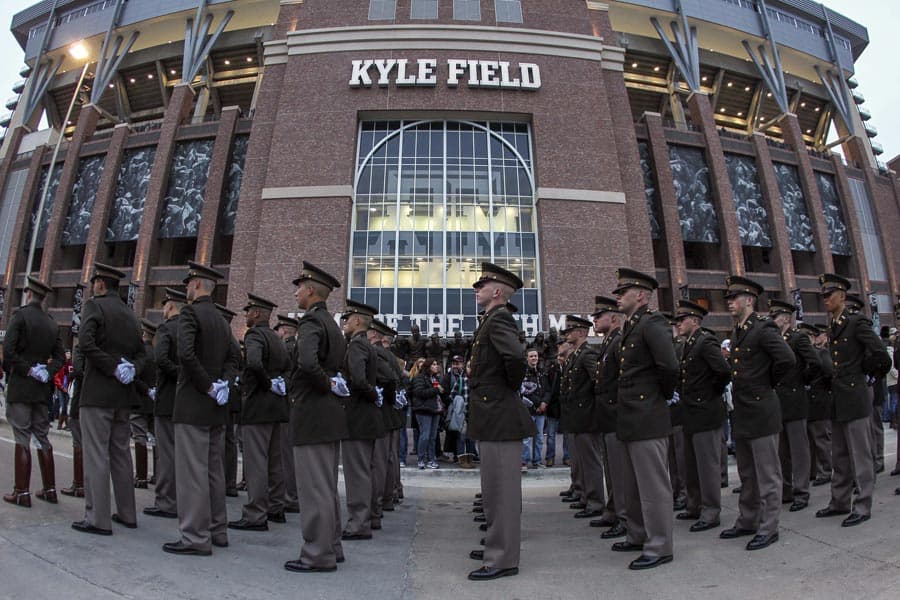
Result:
[
  {"x": 834, "y": 216},
  {"x": 48, "y": 206},
  {"x": 796, "y": 215},
  {"x": 650, "y": 191},
  {"x": 84, "y": 192},
  {"x": 752, "y": 217},
  {"x": 131, "y": 193},
  {"x": 232, "y": 191},
  {"x": 183, "y": 203},
  {"x": 690, "y": 175}
]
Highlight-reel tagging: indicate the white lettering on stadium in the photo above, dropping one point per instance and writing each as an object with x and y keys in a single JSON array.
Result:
[{"x": 497, "y": 74}]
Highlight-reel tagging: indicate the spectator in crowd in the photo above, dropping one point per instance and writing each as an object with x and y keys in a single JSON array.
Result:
[
  {"x": 427, "y": 408},
  {"x": 553, "y": 373},
  {"x": 404, "y": 442},
  {"x": 534, "y": 393},
  {"x": 62, "y": 380},
  {"x": 456, "y": 382}
]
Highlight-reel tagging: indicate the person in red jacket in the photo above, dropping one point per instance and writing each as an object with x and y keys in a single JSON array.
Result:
[{"x": 61, "y": 380}]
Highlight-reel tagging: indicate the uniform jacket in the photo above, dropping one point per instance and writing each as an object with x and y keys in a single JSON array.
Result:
[
  {"x": 203, "y": 358},
  {"x": 820, "y": 400},
  {"x": 78, "y": 377},
  {"x": 792, "y": 389},
  {"x": 109, "y": 332},
  {"x": 236, "y": 359},
  {"x": 605, "y": 379},
  {"x": 675, "y": 410},
  {"x": 388, "y": 376},
  {"x": 145, "y": 382},
  {"x": 317, "y": 415},
  {"x": 554, "y": 377},
  {"x": 31, "y": 337},
  {"x": 364, "y": 419},
  {"x": 648, "y": 373},
  {"x": 576, "y": 390},
  {"x": 856, "y": 351},
  {"x": 266, "y": 359},
  {"x": 165, "y": 353},
  {"x": 704, "y": 375},
  {"x": 760, "y": 358},
  {"x": 497, "y": 363}
]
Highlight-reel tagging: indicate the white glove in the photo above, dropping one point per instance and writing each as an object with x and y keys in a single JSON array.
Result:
[
  {"x": 339, "y": 386},
  {"x": 219, "y": 392},
  {"x": 125, "y": 372},
  {"x": 870, "y": 380},
  {"x": 528, "y": 403},
  {"x": 380, "y": 400},
  {"x": 674, "y": 399},
  {"x": 400, "y": 401},
  {"x": 152, "y": 394},
  {"x": 39, "y": 372},
  {"x": 277, "y": 386}
]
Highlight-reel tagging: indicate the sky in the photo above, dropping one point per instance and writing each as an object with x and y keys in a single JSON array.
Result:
[{"x": 875, "y": 70}]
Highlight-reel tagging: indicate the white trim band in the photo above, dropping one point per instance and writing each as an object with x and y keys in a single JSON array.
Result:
[
  {"x": 308, "y": 191},
  {"x": 581, "y": 195}
]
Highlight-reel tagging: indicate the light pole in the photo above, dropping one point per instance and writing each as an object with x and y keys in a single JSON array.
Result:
[{"x": 78, "y": 52}]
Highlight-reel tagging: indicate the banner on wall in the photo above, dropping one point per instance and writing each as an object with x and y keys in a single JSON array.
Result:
[
  {"x": 77, "y": 303},
  {"x": 798, "y": 302}
]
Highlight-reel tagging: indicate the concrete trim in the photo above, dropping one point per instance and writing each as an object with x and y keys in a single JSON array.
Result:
[
  {"x": 594, "y": 5},
  {"x": 275, "y": 52},
  {"x": 459, "y": 38},
  {"x": 613, "y": 58},
  {"x": 581, "y": 195},
  {"x": 307, "y": 191}
]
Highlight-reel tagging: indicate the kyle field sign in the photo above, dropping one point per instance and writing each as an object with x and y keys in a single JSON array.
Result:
[{"x": 425, "y": 72}]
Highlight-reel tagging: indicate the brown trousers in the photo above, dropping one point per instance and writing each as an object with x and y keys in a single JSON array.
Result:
[
  {"x": 379, "y": 474},
  {"x": 165, "y": 465},
  {"x": 648, "y": 495},
  {"x": 851, "y": 455},
  {"x": 501, "y": 490},
  {"x": 702, "y": 473},
  {"x": 263, "y": 471},
  {"x": 877, "y": 437},
  {"x": 357, "y": 458},
  {"x": 29, "y": 420},
  {"x": 676, "y": 462},
  {"x": 106, "y": 436},
  {"x": 760, "y": 471},
  {"x": 316, "y": 470},
  {"x": 614, "y": 454},
  {"x": 287, "y": 459},
  {"x": 590, "y": 469},
  {"x": 793, "y": 450},
  {"x": 819, "y": 434},
  {"x": 393, "y": 468},
  {"x": 200, "y": 484}
]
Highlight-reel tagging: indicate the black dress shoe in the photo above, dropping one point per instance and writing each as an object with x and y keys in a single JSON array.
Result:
[
  {"x": 648, "y": 562},
  {"x": 736, "y": 490},
  {"x": 798, "y": 505},
  {"x": 855, "y": 519},
  {"x": 478, "y": 503},
  {"x": 570, "y": 499},
  {"x": 617, "y": 530},
  {"x": 181, "y": 548},
  {"x": 220, "y": 543},
  {"x": 627, "y": 547},
  {"x": 679, "y": 505},
  {"x": 478, "y": 509},
  {"x": 481, "y": 541},
  {"x": 735, "y": 532},
  {"x": 565, "y": 493},
  {"x": 480, "y": 519},
  {"x": 478, "y": 495},
  {"x": 823, "y": 480},
  {"x": 895, "y": 471},
  {"x": 879, "y": 469},
  {"x": 375, "y": 524},
  {"x": 704, "y": 525},
  {"x": 487, "y": 573},
  {"x": 85, "y": 527},
  {"x": 299, "y": 567},
  {"x": 761, "y": 541},
  {"x": 787, "y": 500},
  {"x": 292, "y": 508},
  {"x": 152, "y": 511},
  {"x": 587, "y": 514},
  {"x": 897, "y": 492},
  {"x": 245, "y": 525},
  {"x": 482, "y": 527},
  {"x": 578, "y": 505},
  {"x": 356, "y": 536},
  {"x": 724, "y": 484},
  {"x": 830, "y": 512},
  {"x": 277, "y": 517},
  {"x": 686, "y": 516},
  {"x": 339, "y": 559},
  {"x": 117, "y": 519},
  {"x": 602, "y": 523},
  {"x": 476, "y": 554},
  {"x": 231, "y": 492},
  {"x": 386, "y": 507}
]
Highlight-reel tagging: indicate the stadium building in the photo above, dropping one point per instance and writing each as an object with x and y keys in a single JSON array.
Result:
[{"x": 399, "y": 143}]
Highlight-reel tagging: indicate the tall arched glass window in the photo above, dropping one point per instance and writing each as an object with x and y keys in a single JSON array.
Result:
[{"x": 433, "y": 199}]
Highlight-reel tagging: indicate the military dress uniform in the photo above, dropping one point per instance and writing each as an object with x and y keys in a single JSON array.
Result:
[
  {"x": 648, "y": 372},
  {"x": 203, "y": 359},
  {"x": 499, "y": 421},
  {"x": 77, "y": 488},
  {"x": 142, "y": 415},
  {"x": 760, "y": 358},
  {"x": 385, "y": 467},
  {"x": 857, "y": 353},
  {"x": 291, "y": 502},
  {"x": 318, "y": 424},
  {"x": 704, "y": 377},
  {"x": 165, "y": 354},
  {"x": 109, "y": 332},
  {"x": 230, "y": 456},
  {"x": 32, "y": 338},
  {"x": 818, "y": 422},
  {"x": 576, "y": 396}
]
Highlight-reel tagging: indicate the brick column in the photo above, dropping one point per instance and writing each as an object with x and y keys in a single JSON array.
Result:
[
  {"x": 793, "y": 135},
  {"x": 87, "y": 124},
  {"x": 147, "y": 244},
  {"x": 781, "y": 241},
  {"x": 212, "y": 196},
  {"x": 106, "y": 192},
  {"x": 886, "y": 222},
  {"x": 848, "y": 206},
  {"x": 15, "y": 138},
  {"x": 723, "y": 198},
  {"x": 671, "y": 222}
]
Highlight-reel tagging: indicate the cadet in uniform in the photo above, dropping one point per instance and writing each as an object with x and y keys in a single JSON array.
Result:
[
  {"x": 286, "y": 328},
  {"x": 77, "y": 488},
  {"x": 760, "y": 358},
  {"x": 365, "y": 423},
  {"x": 264, "y": 408},
  {"x": 704, "y": 376},
  {"x": 818, "y": 423},
  {"x": 793, "y": 446},
  {"x": 199, "y": 415},
  {"x": 31, "y": 339},
  {"x": 387, "y": 377},
  {"x": 142, "y": 415},
  {"x": 235, "y": 357},
  {"x": 110, "y": 340},
  {"x": 318, "y": 423},
  {"x": 498, "y": 420},
  {"x": 857, "y": 353},
  {"x": 648, "y": 373},
  {"x": 165, "y": 354}
]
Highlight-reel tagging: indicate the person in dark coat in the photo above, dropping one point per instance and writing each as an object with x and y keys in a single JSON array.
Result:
[
  {"x": 142, "y": 416},
  {"x": 264, "y": 408},
  {"x": 760, "y": 359},
  {"x": 165, "y": 354},
  {"x": 426, "y": 404},
  {"x": 76, "y": 490},
  {"x": 286, "y": 327},
  {"x": 32, "y": 353},
  {"x": 205, "y": 370},
  {"x": 704, "y": 375},
  {"x": 318, "y": 422},
  {"x": 498, "y": 420},
  {"x": 114, "y": 356},
  {"x": 818, "y": 423},
  {"x": 648, "y": 373},
  {"x": 235, "y": 356},
  {"x": 385, "y": 468},
  {"x": 554, "y": 378},
  {"x": 859, "y": 357}
]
